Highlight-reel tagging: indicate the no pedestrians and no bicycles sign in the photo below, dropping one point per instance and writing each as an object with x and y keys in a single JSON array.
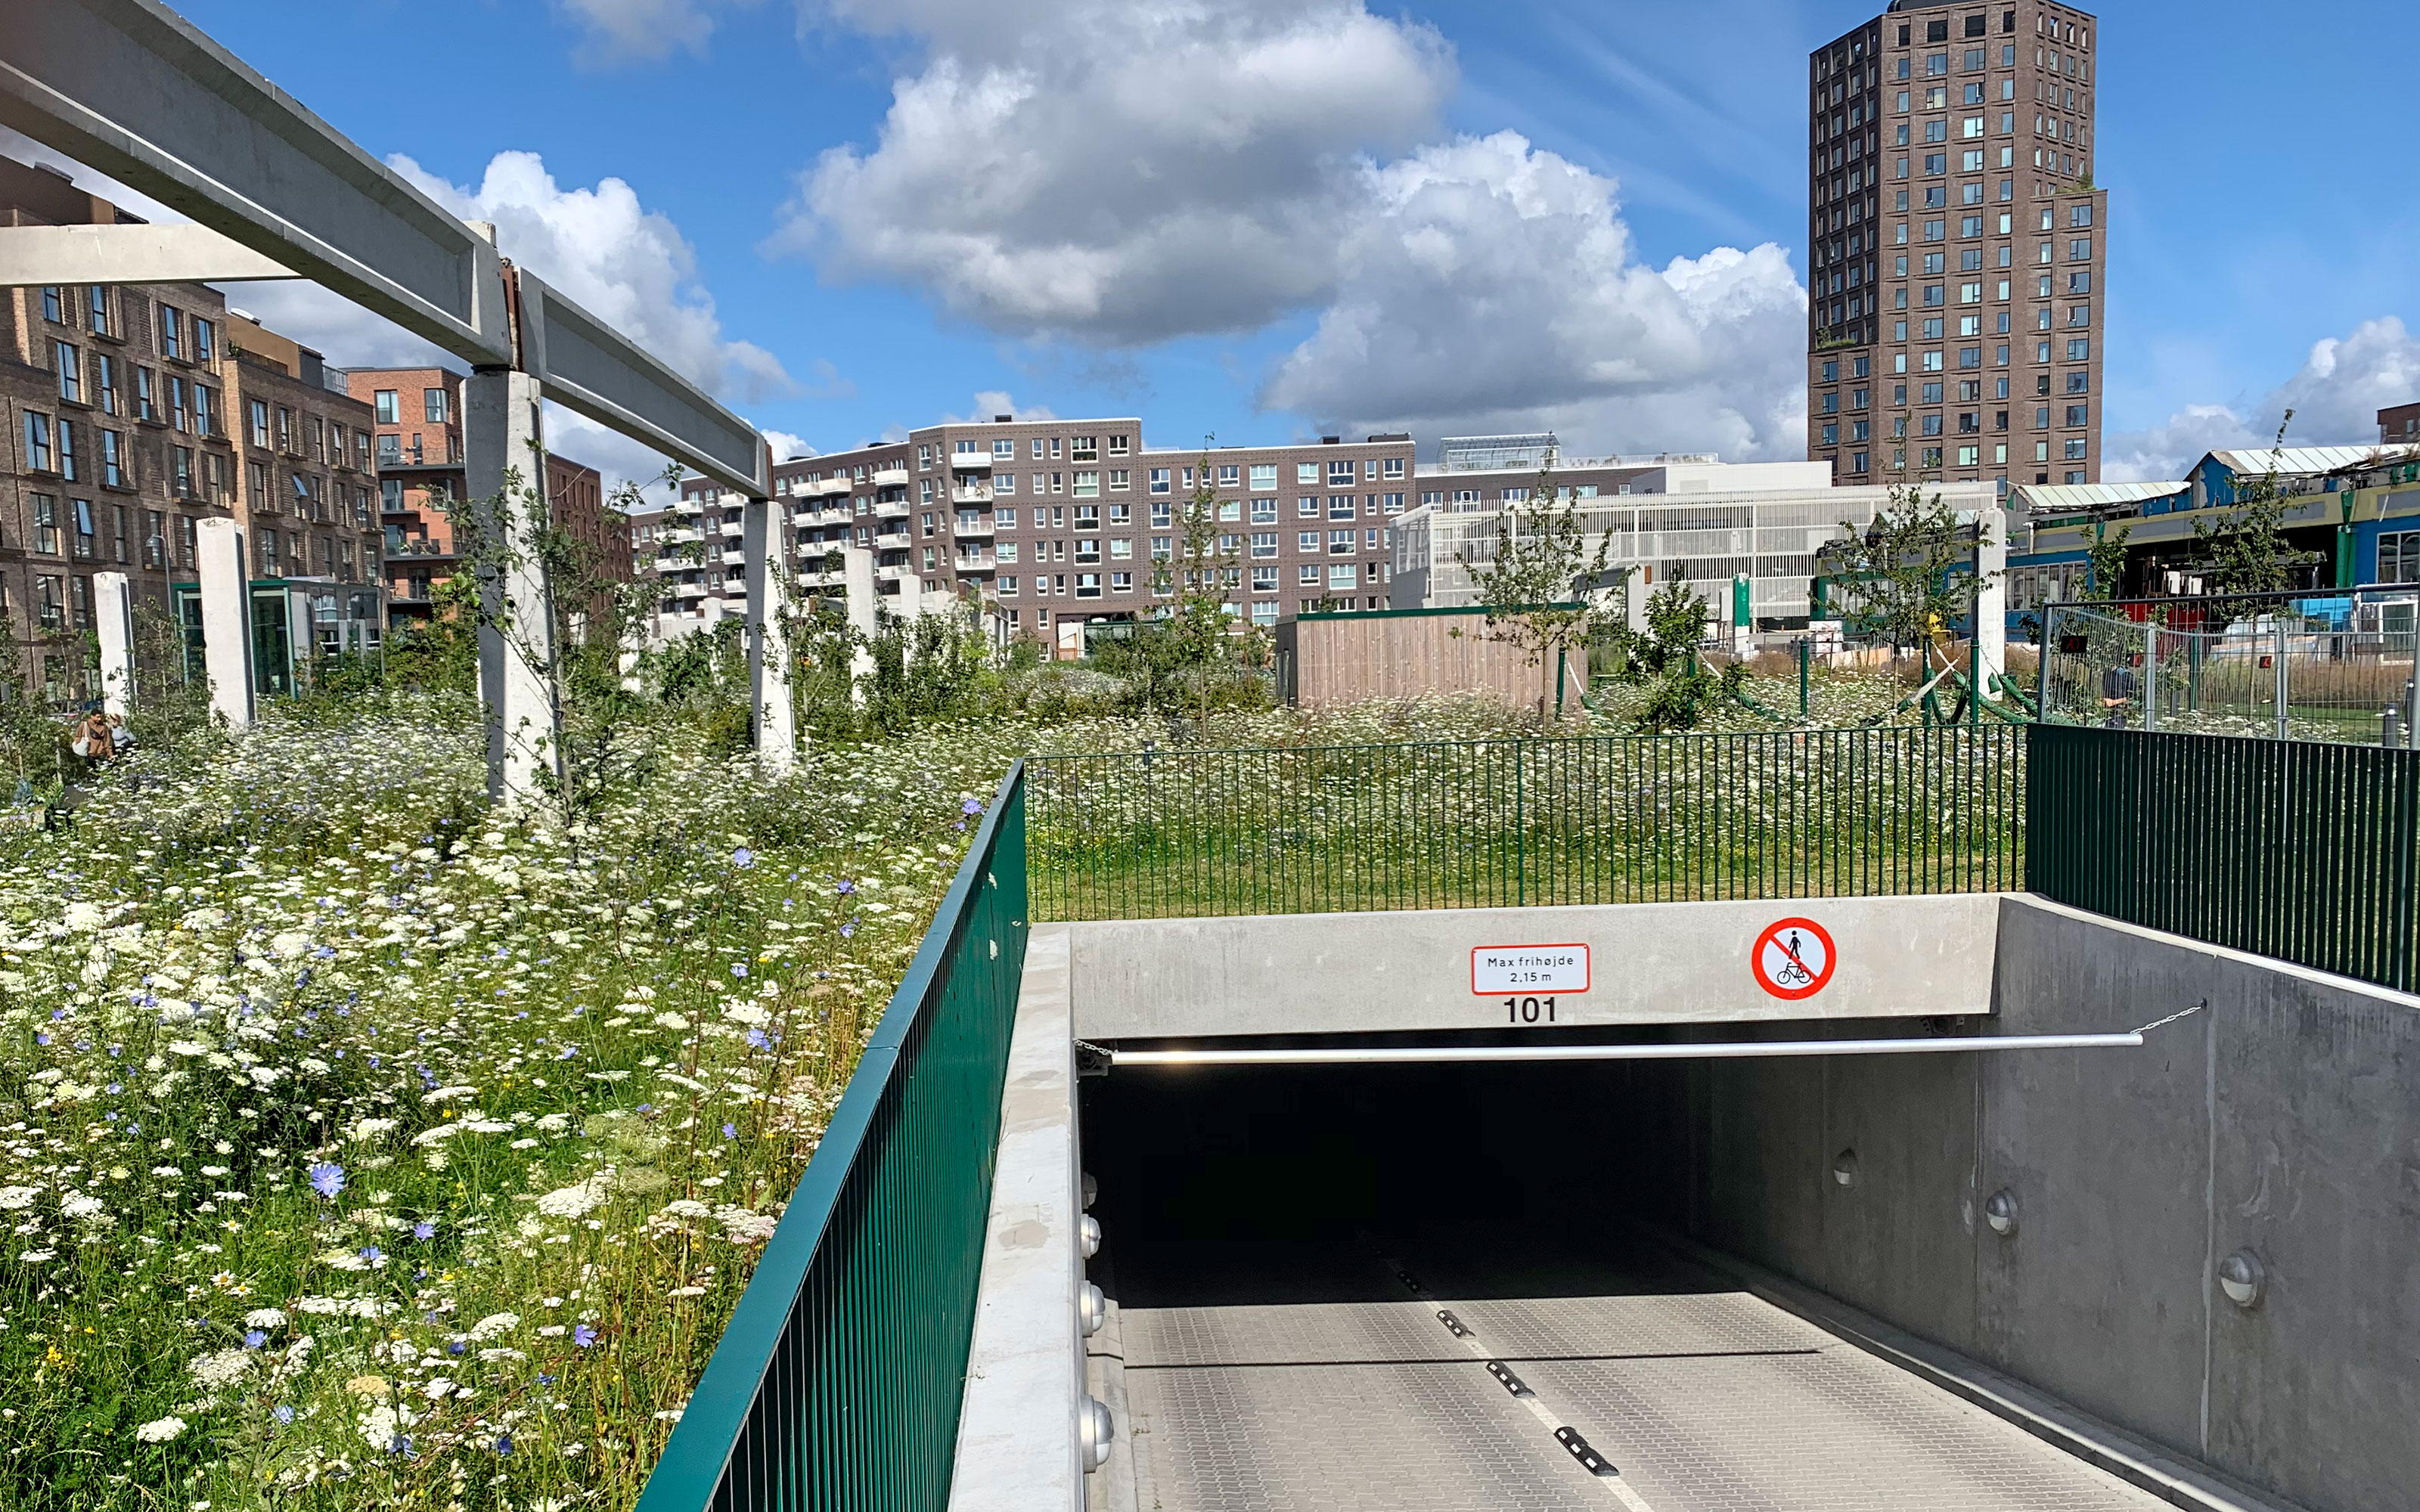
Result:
[{"x": 1794, "y": 958}]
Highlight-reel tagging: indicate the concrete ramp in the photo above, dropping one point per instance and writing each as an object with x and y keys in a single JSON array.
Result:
[{"x": 1536, "y": 969}]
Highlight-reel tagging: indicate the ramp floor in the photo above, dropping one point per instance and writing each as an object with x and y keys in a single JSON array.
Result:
[{"x": 1312, "y": 1376}]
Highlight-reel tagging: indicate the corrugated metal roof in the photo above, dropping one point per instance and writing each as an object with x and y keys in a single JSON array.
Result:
[
  {"x": 2051, "y": 497},
  {"x": 2304, "y": 459}
]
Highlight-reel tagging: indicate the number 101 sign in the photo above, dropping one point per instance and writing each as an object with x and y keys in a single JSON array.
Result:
[{"x": 1529, "y": 968}]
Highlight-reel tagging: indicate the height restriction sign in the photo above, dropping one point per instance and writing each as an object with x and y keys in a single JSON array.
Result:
[{"x": 1794, "y": 958}]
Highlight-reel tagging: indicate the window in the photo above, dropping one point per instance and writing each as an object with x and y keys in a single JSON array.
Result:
[
  {"x": 2080, "y": 215},
  {"x": 1341, "y": 575},
  {"x": 2076, "y": 447},
  {"x": 204, "y": 338},
  {"x": 177, "y": 409},
  {"x": 2079, "y": 383},
  {"x": 433, "y": 406},
  {"x": 2080, "y": 349},
  {"x": 2079, "y": 282},
  {"x": 1087, "y": 585},
  {"x": 2079, "y": 414},
  {"x": 171, "y": 332},
  {"x": 1265, "y": 543},
  {"x": 2080, "y": 250},
  {"x": 1340, "y": 543},
  {"x": 67, "y": 450},
  {"x": 1307, "y": 541},
  {"x": 257, "y": 417},
  {"x": 53, "y": 310},
  {"x": 113, "y": 460},
  {"x": 1393, "y": 502},
  {"x": 382, "y": 403},
  {"x": 206, "y": 421},
  {"x": 2398, "y": 556},
  {"x": 2080, "y": 315},
  {"x": 1087, "y": 484},
  {"x": 46, "y": 523},
  {"x": 1161, "y": 515},
  {"x": 81, "y": 544},
  {"x": 1969, "y": 456},
  {"x": 1339, "y": 506},
  {"x": 1088, "y": 549},
  {"x": 37, "y": 441},
  {"x": 70, "y": 373}
]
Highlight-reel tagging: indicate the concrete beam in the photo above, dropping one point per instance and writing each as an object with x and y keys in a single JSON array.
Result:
[
  {"x": 1992, "y": 602},
  {"x": 856, "y": 577},
  {"x": 769, "y": 637},
  {"x": 113, "y": 616},
  {"x": 504, "y": 453},
  {"x": 31, "y": 255},
  {"x": 227, "y": 620},
  {"x": 1646, "y": 963},
  {"x": 1017, "y": 1439}
]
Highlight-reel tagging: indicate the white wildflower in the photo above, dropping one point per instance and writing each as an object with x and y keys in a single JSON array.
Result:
[
  {"x": 575, "y": 1201},
  {"x": 494, "y": 1325},
  {"x": 19, "y": 1197},
  {"x": 224, "y": 1368},
  {"x": 160, "y": 1431},
  {"x": 264, "y": 1317}
]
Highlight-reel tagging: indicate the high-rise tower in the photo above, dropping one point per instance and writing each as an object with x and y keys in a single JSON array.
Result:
[{"x": 1956, "y": 246}]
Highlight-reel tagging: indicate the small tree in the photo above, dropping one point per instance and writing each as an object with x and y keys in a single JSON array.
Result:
[
  {"x": 1668, "y": 655},
  {"x": 1539, "y": 584},
  {"x": 1201, "y": 647},
  {"x": 2245, "y": 550},
  {"x": 2106, "y": 558},
  {"x": 1904, "y": 574}
]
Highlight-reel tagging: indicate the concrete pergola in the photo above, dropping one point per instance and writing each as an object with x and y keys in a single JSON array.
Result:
[{"x": 132, "y": 89}]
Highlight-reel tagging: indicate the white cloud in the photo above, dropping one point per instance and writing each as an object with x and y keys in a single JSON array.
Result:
[
  {"x": 787, "y": 447},
  {"x": 1494, "y": 285},
  {"x": 1120, "y": 171},
  {"x": 2336, "y": 396},
  {"x": 991, "y": 402},
  {"x": 621, "y": 31},
  {"x": 627, "y": 264}
]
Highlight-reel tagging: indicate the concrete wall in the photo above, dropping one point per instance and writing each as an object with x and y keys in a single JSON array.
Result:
[
  {"x": 1649, "y": 964},
  {"x": 2285, "y": 1118}
]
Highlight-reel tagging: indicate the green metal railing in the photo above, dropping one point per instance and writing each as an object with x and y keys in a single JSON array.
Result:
[
  {"x": 1489, "y": 824},
  {"x": 836, "y": 1384},
  {"x": 2297, "y": 850}
]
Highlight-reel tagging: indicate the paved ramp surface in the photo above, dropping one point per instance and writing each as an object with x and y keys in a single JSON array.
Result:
[{"x": 1302, "y": 1376}]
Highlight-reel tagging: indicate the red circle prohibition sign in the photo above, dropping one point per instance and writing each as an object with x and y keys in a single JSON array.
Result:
[{"x": 1794, "y": 958}]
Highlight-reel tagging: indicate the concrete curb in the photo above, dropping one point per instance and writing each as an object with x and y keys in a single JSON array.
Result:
[
  {"x": 1112, "y": 1488},
  {"x": 2175, "y": 1480}
]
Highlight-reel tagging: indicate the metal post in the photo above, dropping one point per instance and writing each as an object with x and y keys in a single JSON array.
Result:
[
  {"x": 2280, "y": 658},
  {"x": 769, "y": 637},
  {"x": 1805, "y": 654},
  {"x": 113, "y": 611},
  {"x": 856, "y": 579},
  {"x": 227, "y": 620},
  {"x": 504, "y": 471},
  {"x": 2150, "y": 676}
]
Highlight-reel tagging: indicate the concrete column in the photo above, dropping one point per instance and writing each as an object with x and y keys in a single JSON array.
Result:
[
  {"x": 505, "y": 473},
  {"x": 768, "y": 635},
  {"x": 857, "y": 576},
  {"x": 227, "y": 620},
  {"x": 113, "y": 611},
  {"x": 1991, "y": 603}
]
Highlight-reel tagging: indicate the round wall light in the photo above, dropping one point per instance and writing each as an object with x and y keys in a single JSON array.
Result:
[
  {"x": 2242, "y": 1278},
  {"x": 1844, "y": 1167},
  {"x": 2000, "y": 1212}
]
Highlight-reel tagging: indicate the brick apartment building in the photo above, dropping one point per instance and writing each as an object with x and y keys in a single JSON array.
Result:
[
  {"x": 2399, "y": 426},
  {"x": 136, "y": 411},
  {"x": 1957, "y": 246},
  {"x": 1063, "y": 520},
  {"x": 417, "y": 416}
]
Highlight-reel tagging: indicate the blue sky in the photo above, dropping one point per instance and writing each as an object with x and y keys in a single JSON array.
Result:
[{"x": 1352, "y": 256}]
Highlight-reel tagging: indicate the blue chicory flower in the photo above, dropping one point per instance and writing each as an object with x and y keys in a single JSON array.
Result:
[
  {"x": 583, "y": 1335},
  {"x": 327, "y": 1179}
]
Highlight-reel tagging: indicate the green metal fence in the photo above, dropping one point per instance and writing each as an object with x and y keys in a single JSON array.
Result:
[
  {"x": 2296, "y": 850},
  {"x": 1488, "y": 823},
  {"x": 836, "y": 1385}
]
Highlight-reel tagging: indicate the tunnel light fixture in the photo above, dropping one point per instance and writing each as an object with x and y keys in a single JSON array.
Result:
[
  {"x": 2000, "y": 1212},
  {"x": 1844, "y": 1168},
  {"x": 2241, "y": 1276},
  {"x": 1742, "y": 1050}
]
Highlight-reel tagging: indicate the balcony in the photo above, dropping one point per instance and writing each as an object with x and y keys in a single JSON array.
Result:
[
  {"x": 688, "y": 590},
  {"x": 970, "y": 462},
  {"x": 979, "y": 526},
  {"x": 419, "y": 546},
  {"x": 974, "y": 567},
  {"x": 682, "y": 536},
  {"x": 734, "y": 557},
  {"x": 977, "y": 493},
  {"x": 899, "y": 573},
  {"x": 890, "y": 477},
  {"x": 891, "y": 509},
  {"x": 818, "y": 578}
]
